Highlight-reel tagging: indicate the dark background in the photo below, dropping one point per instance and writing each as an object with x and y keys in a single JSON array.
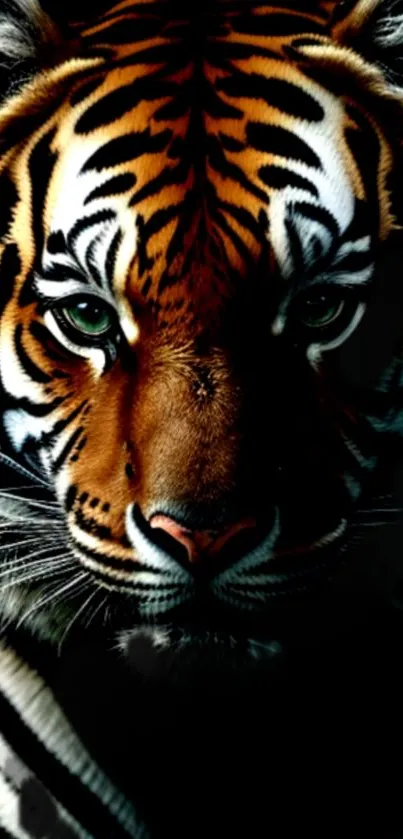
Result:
[{"x": 313, "y": 744}]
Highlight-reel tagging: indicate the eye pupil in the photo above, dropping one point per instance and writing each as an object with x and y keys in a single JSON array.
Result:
[
  {"x": 319, "y": 308},
  {"x": 91, "y": 313},
  {"x": 88, "y": 317}
]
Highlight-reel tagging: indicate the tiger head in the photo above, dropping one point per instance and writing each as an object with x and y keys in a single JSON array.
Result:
[{"x": 193, "y": 209}]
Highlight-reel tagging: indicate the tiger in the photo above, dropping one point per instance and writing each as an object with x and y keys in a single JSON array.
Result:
[{"x": 196, "y": 200}]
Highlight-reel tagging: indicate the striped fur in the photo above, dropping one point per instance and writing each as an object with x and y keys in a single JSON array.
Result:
[
  {"x": 30, "y": 714},
  {"x": 194, "y": 208}
]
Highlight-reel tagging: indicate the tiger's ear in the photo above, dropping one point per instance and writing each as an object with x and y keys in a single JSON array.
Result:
[
  {"x": 374, "y": 30},
  {"x": 29, "y": 42}
]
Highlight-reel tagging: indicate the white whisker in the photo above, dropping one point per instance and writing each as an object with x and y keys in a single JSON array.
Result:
[
  {"x": 23, "y": 470},
  {"x": 33, "y": 523},
  {"x": 96, "y": 610},
  {"x": 53, "y": 596},
  {"x": 33, "y": 502},
  {"x": 23, "y": 565},
  {"x": 33, "y": 563},
  {"x": 20, "y": 490},
  {"x": 17, "y": 550},
  {"x": 11, "y": 530},
  {"x": 75, "y": 616},
  {"x": 32, "y": 577},
  {"x": 30, "y": 520},
  {"x": 20, "y": 487},
  {"x": 37, "y": 540},
  {"x": 53, "y": 559},
  {"x": 380, "y": 510}
]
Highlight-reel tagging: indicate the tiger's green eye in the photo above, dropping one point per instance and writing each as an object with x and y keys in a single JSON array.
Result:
[
  {"x": 89, "y": 317},
  {"x": 319, "y": 309}
]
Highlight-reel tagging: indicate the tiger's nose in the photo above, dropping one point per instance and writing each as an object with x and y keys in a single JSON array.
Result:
[{"x": 199, "y": 543}]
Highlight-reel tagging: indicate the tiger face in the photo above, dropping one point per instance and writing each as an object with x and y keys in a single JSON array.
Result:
[{"x": 194, "y": 207}]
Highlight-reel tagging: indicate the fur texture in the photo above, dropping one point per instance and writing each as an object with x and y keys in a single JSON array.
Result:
[
  {"x": 389, "y": 26},
  {"x": 24, "y": 29},
  {"x": 26, "y": 34},
  {"x": 30, "y": 38}
]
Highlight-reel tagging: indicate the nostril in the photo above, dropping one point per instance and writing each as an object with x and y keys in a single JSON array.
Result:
[
  {"x": 181, "y": 534},
  {"x": 199, "y": 542}
]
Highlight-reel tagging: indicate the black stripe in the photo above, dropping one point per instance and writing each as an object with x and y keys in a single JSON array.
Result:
[
  {"x": 62, "y": 424},
  {"x": 75, "y": 457},
  {"x": 53, "y": 351},
  {"x": 117, "y": 564},
  {"x": 8, "y": 200},
  {"x": 278, "y": 93},
  {"x": 114, "y": 186},
  {"x": 236, "y": 240},
  {"x": 176, "y": 245},
  {"x": 118, "y": 102},
  {"x": 33, "y": 371},
  {"x": 231, "y": 143},
  {"x": 41, "y": 164},
  {"x": 358, "y": 227},
  {"x": 219, "y": 162},
  {"x": 278, "y": 177},
  {"x": 43, "y": 409},
  {"x": 91, "y": 266},
  {"x": 110, "y": 260},
  {"x": 10, "y": 267},
  {"x": 354, "y": 262},
  {"x": 276, "y": 140},
  {"x": 126, "y": 31},
  {"x": 176, "y": 107},
  {"x": 154, "y": 7},
  {"x": 164, "y": 590},
  {"x": 101, "y": 217},
  {"x": 58, "y": 273},
  {"x": 85, "y": 89},
  {"x": 177, "y": 8},
  {"x": 22, "y": 128},
  {"x": 56, "y": 242},
  {"x": 70, "y": 497},
  {"x": 221, "y": 53},
  {"x": 304, "y": 42},
  {"x": 146, "y": 286},
  {"x": 170, "y": 175},
  {"x": 319, "y": 214},
  {"x": 295, "y": 246},
  {"x": 245, "y": 218},
  {"x": 275, "y": 24},
  {"x": 127, "y": 148},
  {"x": 69, "y": 790},
  {"x": 90, "y": 525},
  {"x": 211, "y": 103},
  {"x": 67, "y": 449},
  {"x": 159, "y": 220},
  {"x": 174, "y": 56}
]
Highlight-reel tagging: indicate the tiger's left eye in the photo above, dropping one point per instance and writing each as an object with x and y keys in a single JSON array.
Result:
[
  {"x": 319, "y": 308},
  {"x": 89, "y": 317}
]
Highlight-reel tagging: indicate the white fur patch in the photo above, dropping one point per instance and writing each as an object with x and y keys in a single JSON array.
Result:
[
  {"x": 389, "y": 29},
  {"x": 23, "y": 30}
]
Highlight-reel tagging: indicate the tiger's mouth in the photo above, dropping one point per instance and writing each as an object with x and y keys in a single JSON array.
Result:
[
  {"x": 250, "y": 571},
  {"x": 225, "y": 604},
  {"x": 204, "y": 570}
]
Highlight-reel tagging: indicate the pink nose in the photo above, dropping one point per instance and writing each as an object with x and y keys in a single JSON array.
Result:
[{"x": 199, "y": 542}]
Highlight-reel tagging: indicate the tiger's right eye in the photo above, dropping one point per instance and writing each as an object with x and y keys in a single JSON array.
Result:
[
  {"x": 88, "y": 317},
  {"x": 85, "y": 319}
]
